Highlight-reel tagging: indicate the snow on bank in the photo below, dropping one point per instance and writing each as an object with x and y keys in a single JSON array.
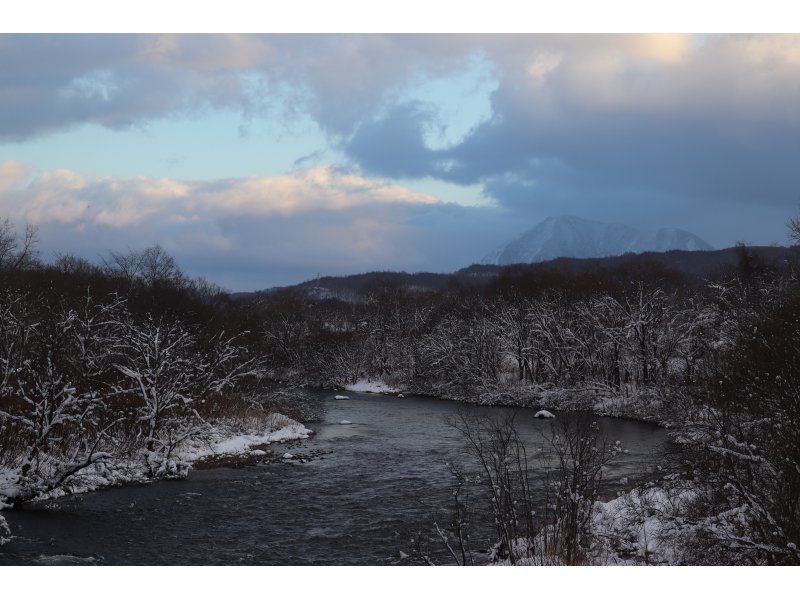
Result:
[
  {"x": 644, "y": 404},
  {"x": 649, "y": 404},
  {"x": 646, "y": 525},
  {"x": 5, "y": 531},
  {"x": 373, "y": 386},
  {"x": 225, "y": 440},
  {"x": 222, "y": 438},
  {"x": 544, "y": 415}
]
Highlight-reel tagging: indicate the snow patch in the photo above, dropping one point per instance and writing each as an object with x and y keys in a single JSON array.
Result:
[
  {"x": 643, "y": 526},
  {"x": 222, "y": 441},
  {"x": 372, "y": 386},
  {"x": 66, "y": 559},
  {"x": 5, "y": 531},
  {"x": 220, "y": 438}
]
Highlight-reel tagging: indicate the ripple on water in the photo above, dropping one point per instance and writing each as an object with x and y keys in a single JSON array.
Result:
[{"x": 373, "y": 486}]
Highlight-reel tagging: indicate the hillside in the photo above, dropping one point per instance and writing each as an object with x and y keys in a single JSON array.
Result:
[{"x": 696, "y": 265}]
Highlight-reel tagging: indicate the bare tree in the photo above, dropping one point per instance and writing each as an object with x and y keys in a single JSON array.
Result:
[
  {"x": 502, "y": 458},
  {"x": 5, "y": 531},
  {"x": 158, "y": 266},
  {"x": 541, "y": 514},
  {"x": 151, "y": 265},
  {"x": 747, "y": 443},
  {"x": 582, "y": 454},
  {"x": 793, "y": 224},
  {"x": 16, "y": 253},
  {"x": 69, "y": 263}
]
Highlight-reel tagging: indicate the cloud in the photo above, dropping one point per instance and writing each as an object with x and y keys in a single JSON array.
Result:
[
  {"x": 54, "y": 81},
  {"x": 247, "y": 233},
  {"x": 696, "y": 131},
  {"x": 51, "y": 82},
  {"x": 69, "y": 197},
  {"x": 394, "y": 144},
  {"x": 688, "y": 115},
  {"x": 584, "y": 123}
]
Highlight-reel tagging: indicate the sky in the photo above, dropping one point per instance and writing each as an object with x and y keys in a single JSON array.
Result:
[{"x": 267, "y": 160}]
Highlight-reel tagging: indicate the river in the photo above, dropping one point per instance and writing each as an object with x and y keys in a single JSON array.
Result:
[{"x": 376, "y": 482}]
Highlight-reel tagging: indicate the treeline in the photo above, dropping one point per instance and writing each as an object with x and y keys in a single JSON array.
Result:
[
  {"x": 616, "y": 331},
  {"x": 108, "y": 369}
]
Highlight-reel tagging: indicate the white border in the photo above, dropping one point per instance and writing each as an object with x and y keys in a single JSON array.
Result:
[
  {"x": 501, "y": 16},
  {"x": 406, "y": 16},
  {"x": 399, "y": 582}
]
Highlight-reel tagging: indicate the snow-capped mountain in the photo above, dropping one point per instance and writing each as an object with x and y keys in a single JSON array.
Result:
[{"x": 570, "y": 236}]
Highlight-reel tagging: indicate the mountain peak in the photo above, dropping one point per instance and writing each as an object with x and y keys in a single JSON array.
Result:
[{"x": 572, "y": 236}]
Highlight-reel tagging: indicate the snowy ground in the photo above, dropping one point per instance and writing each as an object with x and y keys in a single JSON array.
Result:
[
  {"x": 5, "y": 531},
  {"x": 643, "y": 404},
  {"x": 373, "y": 386},
  {"x": 645, "y": 526},
  {"x": 225, "y": 438}
]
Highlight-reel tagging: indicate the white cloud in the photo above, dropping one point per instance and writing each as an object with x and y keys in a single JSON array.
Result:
[
  {"x": 748, "y": 77},
  {"x": 71, "y": 198},
  {"x": 245, "y": 233}
]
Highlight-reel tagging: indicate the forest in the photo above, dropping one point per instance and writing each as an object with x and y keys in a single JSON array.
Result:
[{"x": 112, "y": 368}]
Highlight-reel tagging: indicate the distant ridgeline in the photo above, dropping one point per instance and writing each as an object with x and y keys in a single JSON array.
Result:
[{"x": 681, "y": 266}]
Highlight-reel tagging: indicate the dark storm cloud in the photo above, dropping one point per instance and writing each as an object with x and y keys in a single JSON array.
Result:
[
  {"x": 393, "y": 145},
  {"x": 584, "y": 125},
  {"x": 625, "y": 168},
  {"x": 699, "y": 158},
  {"x": 51, "y": 82}
]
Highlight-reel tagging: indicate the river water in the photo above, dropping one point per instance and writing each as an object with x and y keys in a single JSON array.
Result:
[{"x": 379, "y": 481}]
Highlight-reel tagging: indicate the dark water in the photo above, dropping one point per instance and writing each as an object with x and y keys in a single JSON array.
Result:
[{"x": 379, "y": 482}]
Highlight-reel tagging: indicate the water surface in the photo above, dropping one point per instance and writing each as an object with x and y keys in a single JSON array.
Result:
[{"x": 381, "y": 480}]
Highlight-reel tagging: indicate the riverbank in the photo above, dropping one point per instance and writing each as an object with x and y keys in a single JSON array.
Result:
[
  {"x": 222, "y": 442},
  {"x": 649, "y": 524},
  {"x": 379, "y": 482},
  {"x": 650, "y": 405}
]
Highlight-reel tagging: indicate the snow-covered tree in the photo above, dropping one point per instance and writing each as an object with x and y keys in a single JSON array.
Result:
[
  {"x": 49, "y": 398},
  {"x": 165, "y": 370},
  {"x": 5, "y": 531}
]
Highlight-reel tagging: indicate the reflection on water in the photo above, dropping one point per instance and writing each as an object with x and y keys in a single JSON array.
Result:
[{"x": 381, "y": 479}]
